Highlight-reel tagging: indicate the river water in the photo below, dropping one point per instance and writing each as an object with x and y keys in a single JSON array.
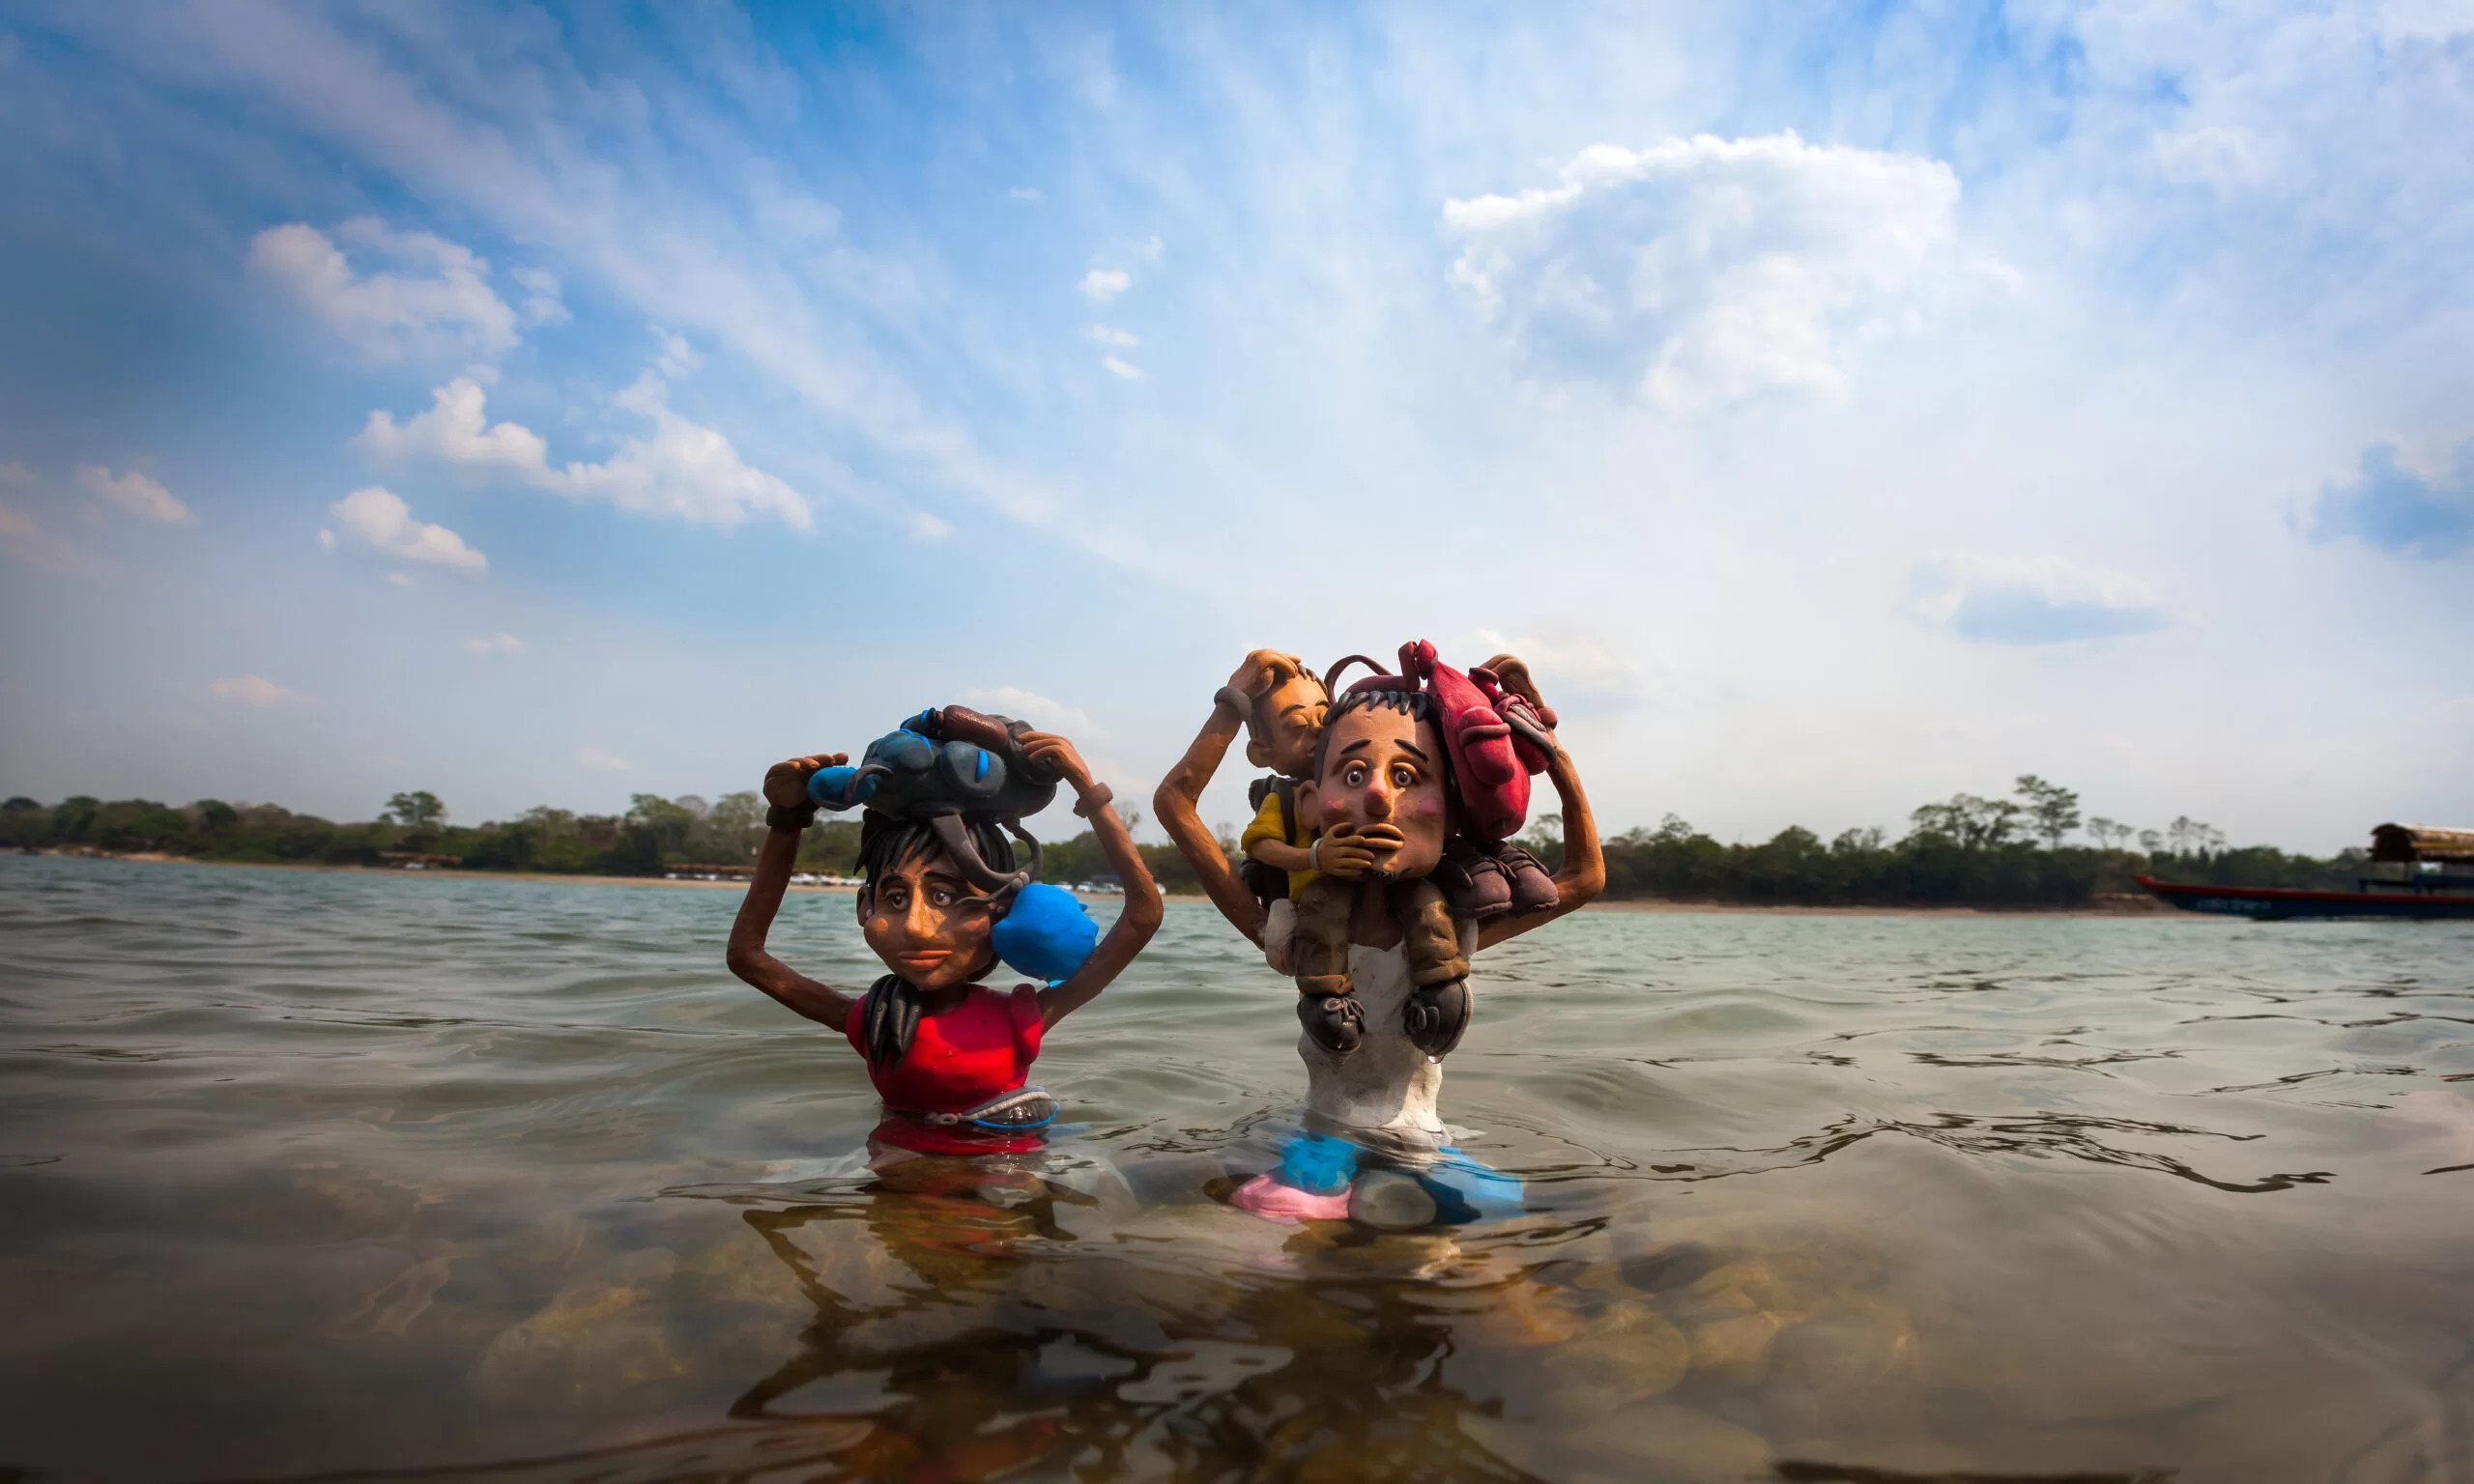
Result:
[{"x": 310, "y": 1174}]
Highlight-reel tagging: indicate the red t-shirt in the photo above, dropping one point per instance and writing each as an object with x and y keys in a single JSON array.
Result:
[{"x": 962, "y": 1058}]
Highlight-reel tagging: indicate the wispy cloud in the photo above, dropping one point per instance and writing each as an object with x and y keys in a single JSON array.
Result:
[
  {"x": 501, "y": 642},
  {"x": 440, "y": 300},
  {"x": 1102, "y": 284},
  {"x": 1122, "y": 339},
  {"x": 1125, "y": 369},
  {"x": 1037, "y": 709},
  {"x": 603, "y": 761},
  {"x": 135, "y": 493}
]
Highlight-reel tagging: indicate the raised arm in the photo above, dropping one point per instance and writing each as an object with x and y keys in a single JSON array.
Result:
[
  {"x": 785, "y": 786},
  {"x": 1584, "y": 873},
  {"x": 1141, "y": 916},
  {"x": 1175, "y": 805}
]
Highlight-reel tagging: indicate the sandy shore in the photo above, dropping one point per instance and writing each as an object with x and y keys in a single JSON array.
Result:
[{"x": 2119, "y": 904}]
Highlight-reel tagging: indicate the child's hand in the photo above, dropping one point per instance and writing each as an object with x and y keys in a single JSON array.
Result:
[
  {"x": 1343, "y": 851},
  {"x": 1048, "y": 750},
  {"x": 786, "y": 782}
]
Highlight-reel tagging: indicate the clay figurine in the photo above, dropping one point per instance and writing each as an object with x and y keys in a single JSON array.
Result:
[{"x": 943, "y": 901}]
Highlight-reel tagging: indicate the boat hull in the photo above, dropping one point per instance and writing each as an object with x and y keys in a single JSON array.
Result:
[{"x": 2277, "y": 903}]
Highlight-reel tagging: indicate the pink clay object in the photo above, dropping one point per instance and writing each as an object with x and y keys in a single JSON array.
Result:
[
  {"x": 1273, "y": 1200},
  {"x": 1493, "y": 778}
]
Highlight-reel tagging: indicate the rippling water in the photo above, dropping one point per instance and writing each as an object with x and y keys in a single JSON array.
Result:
[{"x": 309, "y": 1173}]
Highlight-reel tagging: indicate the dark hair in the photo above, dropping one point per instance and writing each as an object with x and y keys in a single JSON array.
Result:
[
  {"x": 889, "y": 1014},
  {"x": 1418, "y": 705}
]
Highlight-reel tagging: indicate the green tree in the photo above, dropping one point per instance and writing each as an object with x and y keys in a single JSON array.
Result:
[
  {"x": 2053, "y": 808},
  {"x": 419, "y": 811}
]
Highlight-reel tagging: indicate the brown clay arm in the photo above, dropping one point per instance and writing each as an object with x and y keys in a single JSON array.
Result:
[
  {"x": 1175, "y": 807},
  {"x": 747, "y": 957},
  {"x": 1584, "y": 873},
  {"x": 1134, "y": 924}
]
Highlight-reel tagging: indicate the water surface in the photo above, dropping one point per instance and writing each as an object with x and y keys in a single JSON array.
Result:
[{"x": 313, "y": 1173}]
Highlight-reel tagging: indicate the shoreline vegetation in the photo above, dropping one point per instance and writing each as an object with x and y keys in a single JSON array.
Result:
[{"x": 1967, "y": 853}]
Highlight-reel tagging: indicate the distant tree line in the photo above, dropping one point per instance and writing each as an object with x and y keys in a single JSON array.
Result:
[{"x": 2013, "y": 851}]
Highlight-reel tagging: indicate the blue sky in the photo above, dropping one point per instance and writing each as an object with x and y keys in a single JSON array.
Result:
[{"x": 1840, "y": 406}]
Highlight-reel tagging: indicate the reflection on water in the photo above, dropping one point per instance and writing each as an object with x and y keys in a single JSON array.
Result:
[{"x": 307, "y": 1175}]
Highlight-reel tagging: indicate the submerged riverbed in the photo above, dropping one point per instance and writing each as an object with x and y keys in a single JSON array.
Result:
[{"x": 307, "y": 1173}]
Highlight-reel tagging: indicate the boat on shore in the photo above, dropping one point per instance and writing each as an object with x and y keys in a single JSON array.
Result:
[{"x": 2414, "y": 871}]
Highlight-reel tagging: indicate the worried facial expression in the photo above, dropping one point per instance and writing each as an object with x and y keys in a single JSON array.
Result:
[
  {"x": 1383, "y": 780},
  {"x": 1282, "y": 732},
  {"x": 928, "y": 924}
]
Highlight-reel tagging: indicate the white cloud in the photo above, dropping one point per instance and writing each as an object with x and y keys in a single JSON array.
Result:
[
  {"x": 497, "y": 644},
  {"x": 443, "y": 302},
  {"x": 1102, "y": 284},
  {"x": 1573, "y": 674},
  {"x": 326, "y": 539},
  {"x": 1034, "y": 709},
  {"x": 677, "y": 359},
  {"x": 1706, "y": 270},
  {"x": 595, "y": 757},
  {"x": 925, "y": 527},
  {"x": 379, "y": 517},
  {"x": 2042, "y": 600},
  {"x": 1122, "y": 368},
  {"x": 683, "y": 469},
  {"x": 256, "y": 691},
  {"x": 135, "y": 494},
  {"x": 1149, "y": 249},
  {"x": 2223, "y": 158},
  {"x": 1122, "y": 339},
  {"x": 542, "y": 304},
  {"x": 1029, "y": 193}
]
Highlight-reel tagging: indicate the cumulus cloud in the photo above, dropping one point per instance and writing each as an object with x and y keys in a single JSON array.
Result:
[
  {"x": 440, "y": 300},
  {"x": 1706, "y": 270},
  {"x": 135, "y": 494},
  {"x": 925, "y": 527},
  {"x": 1034, "y": 709},
  {"x": 380, "y": 519},
  {"x": 2397, "y": 509},
  {"x": 2044, "y": 600},
  {"x": 1122, "y": 339},
  {"x": 256, "y": 691},
  {"x": 595, "y": 757},
  {"x": 679, "y": 469},
  {"x": 497, "y": 644},
  {"x": 1102, "y": 284},
  {"x": 1125, "y": 369}
]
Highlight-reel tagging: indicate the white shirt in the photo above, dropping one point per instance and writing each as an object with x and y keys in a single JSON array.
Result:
[{"x": 1387, "y": 1084}]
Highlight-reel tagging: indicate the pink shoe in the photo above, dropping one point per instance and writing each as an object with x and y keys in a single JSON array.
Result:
[{"x": 1273, "y": 1200}]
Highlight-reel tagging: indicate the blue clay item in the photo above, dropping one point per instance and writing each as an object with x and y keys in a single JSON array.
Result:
[
  {"x": 832, "y": 788},
  {"x": 1046, "y": 934},
  {"x": 1317, "y": 1164},
  {"x": 1465, "y": 1190},
  {"x": 969, "y": 772}
]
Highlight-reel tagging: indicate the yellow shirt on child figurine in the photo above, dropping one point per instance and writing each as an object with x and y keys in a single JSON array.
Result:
[{"x": 1269, "y": 825}]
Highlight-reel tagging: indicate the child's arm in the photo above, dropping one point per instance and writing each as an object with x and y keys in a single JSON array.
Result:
[
  {"x": 1175, "y": 803},
  {"x": 1584, "y": 873},
  {"x": 786, "y": 786},
  {"x": 1140, "y": 916},
  {"x": 1280, "y": 855}
]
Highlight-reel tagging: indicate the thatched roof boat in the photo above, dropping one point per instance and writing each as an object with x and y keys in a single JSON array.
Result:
[{"x": 2416, "y": 870}]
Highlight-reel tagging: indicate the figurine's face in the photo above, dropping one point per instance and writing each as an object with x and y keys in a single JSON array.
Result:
[
  {"x": 927, "y": 922},
  {"x": 1383, "y": 774},
  {"x": 1284, "y": 727}
]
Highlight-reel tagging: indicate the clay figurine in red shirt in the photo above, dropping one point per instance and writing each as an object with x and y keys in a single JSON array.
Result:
[{"x": 950, "y": 1056}]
